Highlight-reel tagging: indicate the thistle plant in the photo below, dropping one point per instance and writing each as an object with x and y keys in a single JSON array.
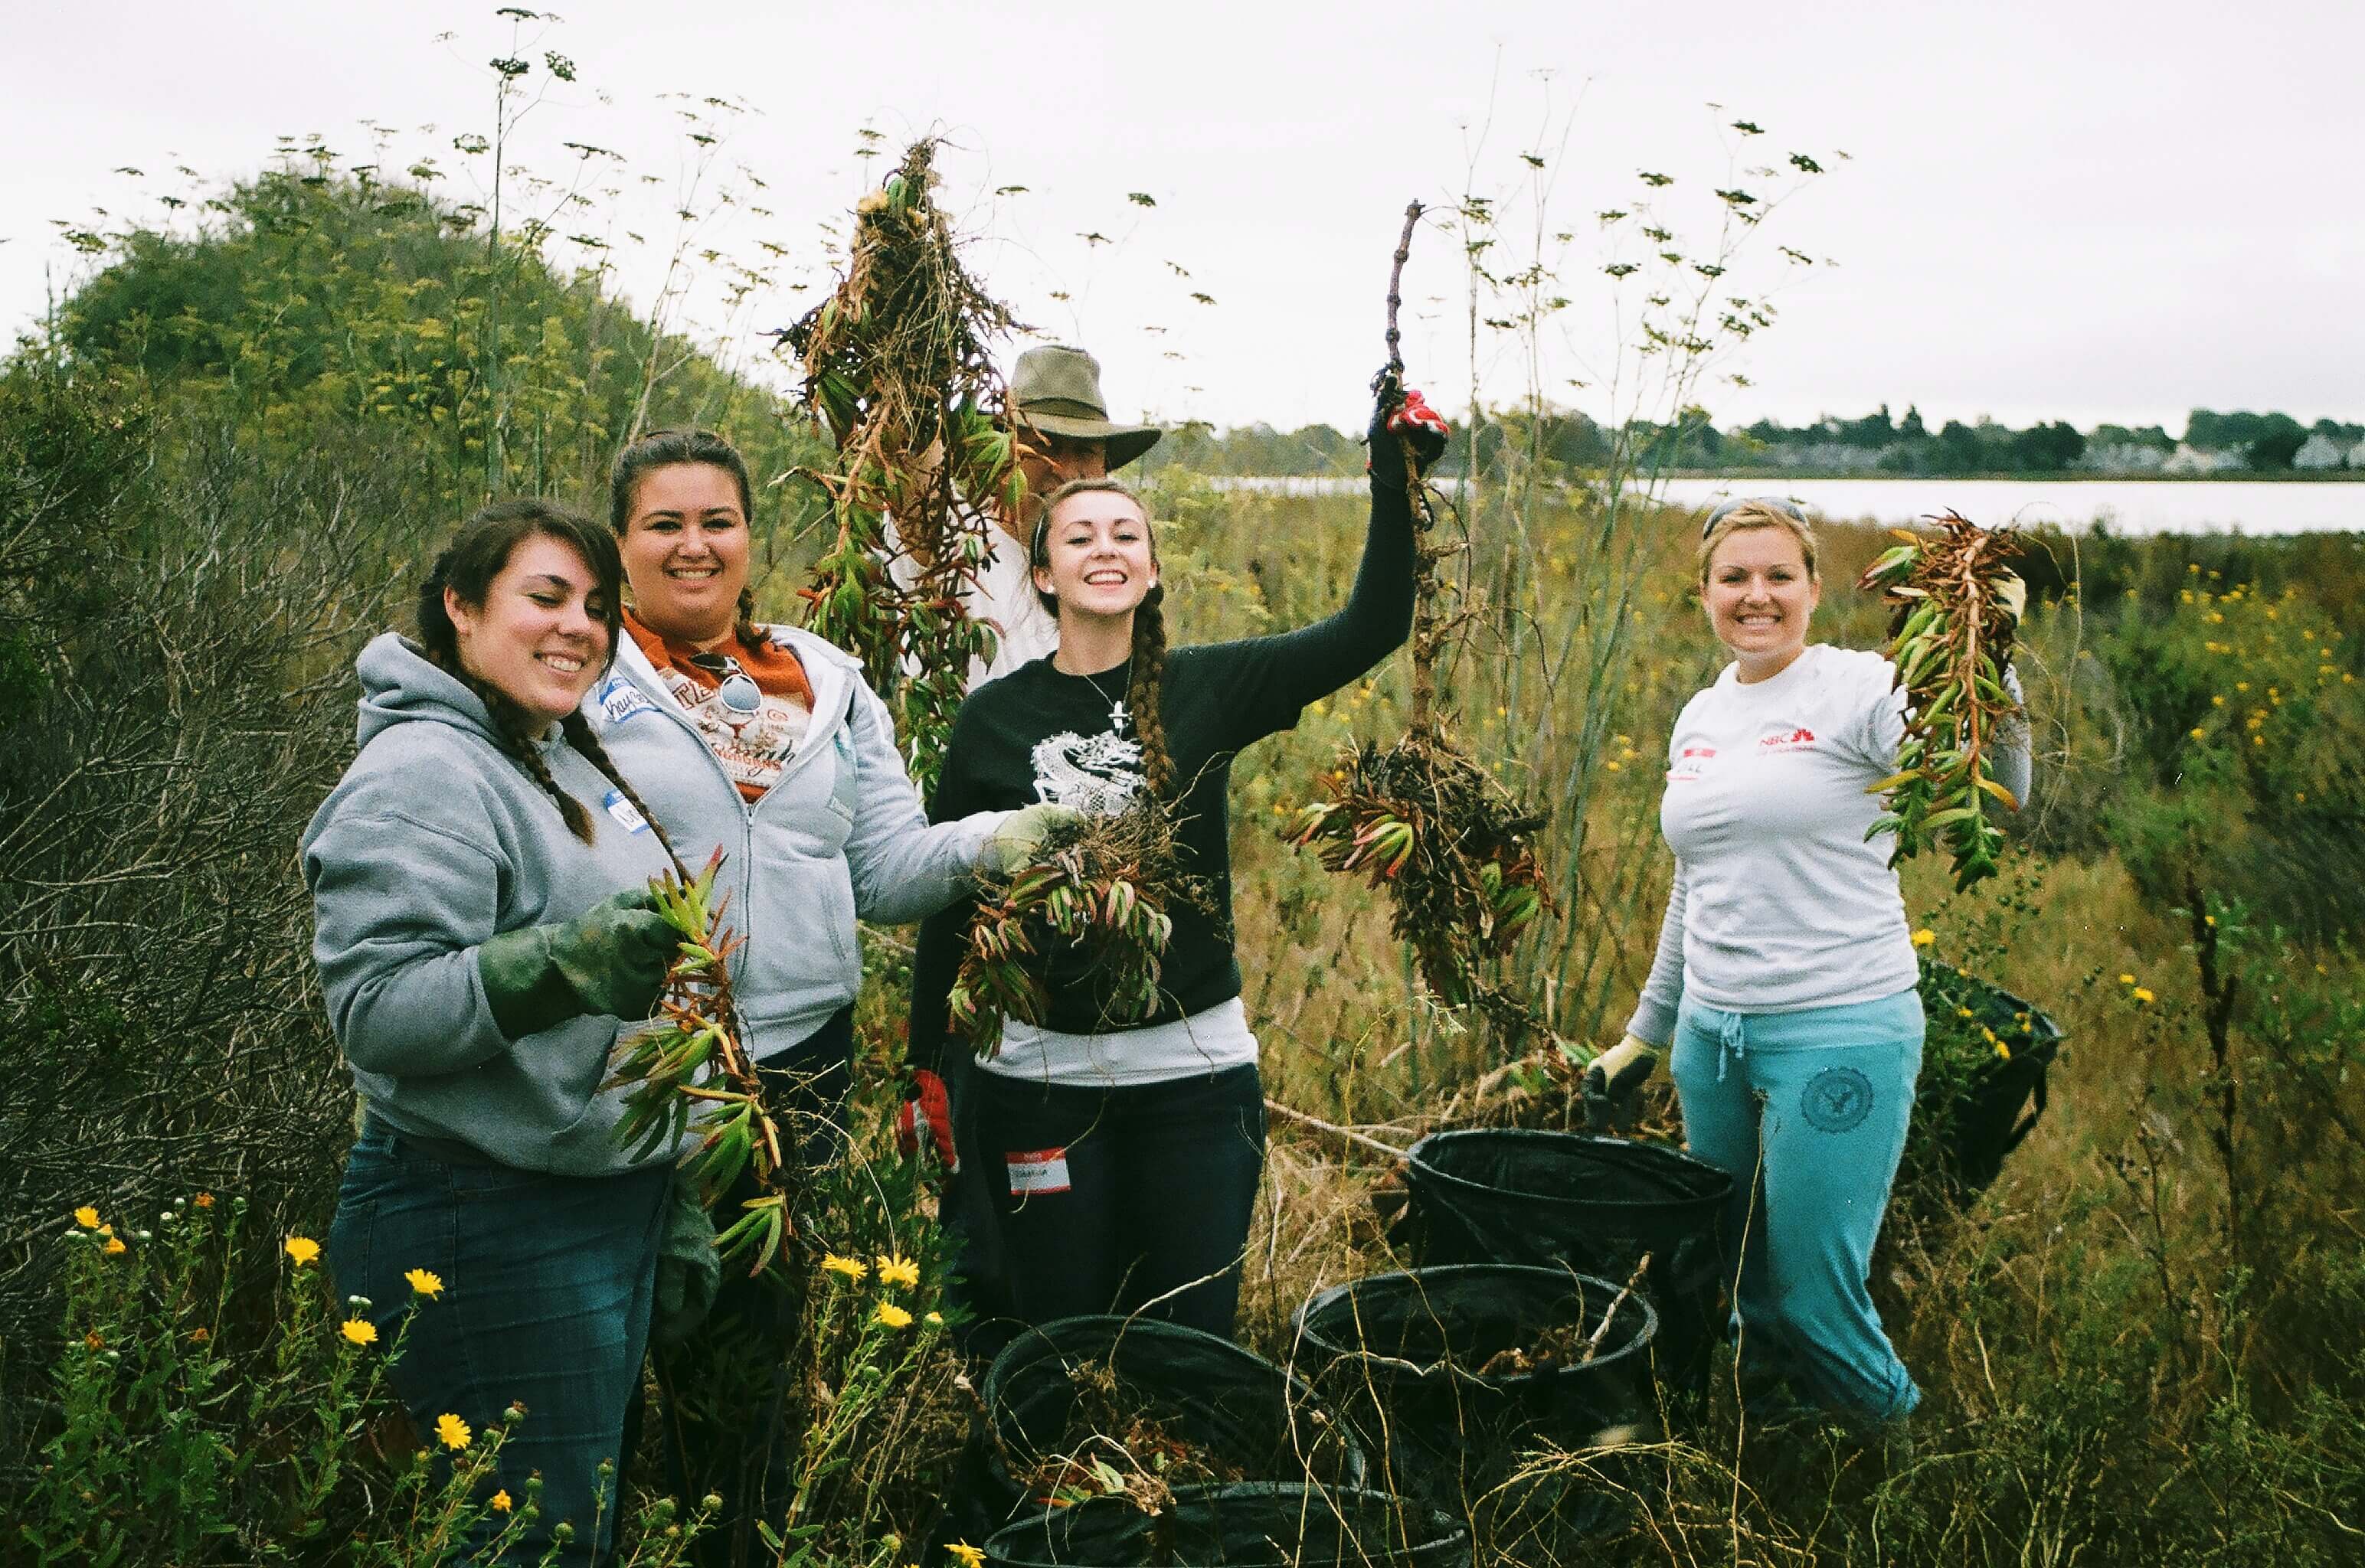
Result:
[
  {"x": 1095, "y": 904},
  {"x": 1958, "y": 601},
  {"x": 691, "y": 1076},
  {"x": 899, "y": 371}
]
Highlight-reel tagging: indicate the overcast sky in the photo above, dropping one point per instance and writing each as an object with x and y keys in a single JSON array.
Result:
[{"x": 2074, "y": 208}]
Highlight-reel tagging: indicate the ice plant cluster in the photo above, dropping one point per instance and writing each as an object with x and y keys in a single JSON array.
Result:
[
  {"x": 689, "y": 1077},
  {"x": 1958, "y": 601},
  {"x": 898, "y": 369},
  {"x": 1093, "y": 905}
]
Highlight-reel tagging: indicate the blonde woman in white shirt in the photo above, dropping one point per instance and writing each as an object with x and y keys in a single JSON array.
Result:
[{"x": 1786, "y": 972}]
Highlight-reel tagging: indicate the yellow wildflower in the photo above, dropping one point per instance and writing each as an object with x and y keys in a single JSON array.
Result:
[
  {"x": 114, "y": 1247},
  {"x": 968, "y": 1556},
  {"x": 303, "y": 1249},
  {"x": 452, "y": 1431},
  {"x": 86, "y": 1218},
  {"x": 93, "y": 1340},
  {"x": 500, "y": 1502},
  {"x": 2140, "y": 995},
  {"x": 893, "y": 1317},
  {"x": 2003, "y": 1052},
  {"x": 852, "y": 1268},
  {"x": 2126, "y": 980},
  {"x": 360, "y": 1330},
  {"x": 2199, "y": 734},
  {"x": 1924, "y": 936},
  {"x": 204, "y": 1200},
  {"x": 897, "y": 1270},
  {"x": 937, "y": 1319},
  {"x": 425, "y": 1282},
  {"x": 200, "y": 1334}
]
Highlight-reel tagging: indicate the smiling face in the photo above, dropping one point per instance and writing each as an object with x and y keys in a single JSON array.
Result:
[
  {"x": 685, "y": 549},
  {"x": 1759, "y": 594},
  {"x": 1097, "y": 559},
  {"x": 540, "y": 637}
]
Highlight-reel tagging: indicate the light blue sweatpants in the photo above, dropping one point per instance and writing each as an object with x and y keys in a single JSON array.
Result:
[{"x": 1808, "y": 1112}]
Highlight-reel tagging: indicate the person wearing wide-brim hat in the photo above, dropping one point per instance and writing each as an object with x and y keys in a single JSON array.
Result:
[{"x": 1064, "y": 432}]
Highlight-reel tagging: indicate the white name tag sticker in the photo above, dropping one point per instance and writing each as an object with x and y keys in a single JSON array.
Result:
[
  {"x": 626, "y": 813},
  {"x": 1037, "y": 1171},
  {"x": 620, "y": 700}
]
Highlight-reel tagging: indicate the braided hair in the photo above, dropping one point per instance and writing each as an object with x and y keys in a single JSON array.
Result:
[
  {"x": 662, "y": 449},
  {"x": 468, "y": 565},
  {"x": 1145, "y": 676}
]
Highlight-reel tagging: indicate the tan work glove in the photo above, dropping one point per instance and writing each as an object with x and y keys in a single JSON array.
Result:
[{"x": 1611, "y": 1082}]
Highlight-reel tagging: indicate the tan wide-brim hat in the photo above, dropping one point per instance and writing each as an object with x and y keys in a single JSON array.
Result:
[{"x": 1056, "y": 389}]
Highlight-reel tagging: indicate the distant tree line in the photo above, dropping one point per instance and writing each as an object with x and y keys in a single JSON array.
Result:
[{"x": 2236, "y": 442}]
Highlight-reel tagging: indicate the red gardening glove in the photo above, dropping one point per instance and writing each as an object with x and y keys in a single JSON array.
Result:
[
  {"x": 1423, "y": 426},
  {"x": 927, "y": 1105},
  {"x": 1420, "y": 426}
]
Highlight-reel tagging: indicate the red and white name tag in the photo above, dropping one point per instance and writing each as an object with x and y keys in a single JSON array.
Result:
[
  {"x": 1687, "y": 769},
  {"x": 1037, "y": 1171}
]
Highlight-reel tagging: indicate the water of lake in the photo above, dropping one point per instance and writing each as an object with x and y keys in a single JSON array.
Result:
[{"x": 2126, "y": 505}]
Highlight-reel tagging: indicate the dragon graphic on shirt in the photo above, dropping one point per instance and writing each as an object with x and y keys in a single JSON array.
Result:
[{"x": 1100, "y": 775}]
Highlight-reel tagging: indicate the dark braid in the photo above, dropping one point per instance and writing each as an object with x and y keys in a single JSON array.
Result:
[
  {"x": 1143, "y": 689},
  {"x": 579, "y": 737},
  {"x": 1145, "y": 676},
  {"x": 478, "y": 554}
]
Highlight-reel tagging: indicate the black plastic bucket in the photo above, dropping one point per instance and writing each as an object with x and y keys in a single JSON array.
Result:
[
  {"x": 2002, "y": 1102},
  {"x": 1244, "y": 1525},
  {"x": 1424, "y": 1366},
  {"x": 1243, "y": 1413},
  {"x": 1595, "y": 1204}
]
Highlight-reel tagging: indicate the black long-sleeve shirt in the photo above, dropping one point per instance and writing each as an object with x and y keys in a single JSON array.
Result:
[{"x": 1037, "y": 734}]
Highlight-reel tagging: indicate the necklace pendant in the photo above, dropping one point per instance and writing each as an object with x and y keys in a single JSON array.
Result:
[{"x": 1119, "y": 717}]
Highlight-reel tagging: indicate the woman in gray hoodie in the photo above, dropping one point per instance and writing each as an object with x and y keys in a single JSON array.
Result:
[{"x": 484, "y": 932}]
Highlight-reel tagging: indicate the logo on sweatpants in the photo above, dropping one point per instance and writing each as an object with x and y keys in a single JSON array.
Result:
[{"x": 1837, "y": 1098}]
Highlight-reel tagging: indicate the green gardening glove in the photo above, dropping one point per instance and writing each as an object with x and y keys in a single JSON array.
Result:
[
  {"x": 1021, "y": 838},
  {"x": 688, "y": 1273},
  {"x": 610, "y": 960},
  {"x": 1611, "y": 1082}
]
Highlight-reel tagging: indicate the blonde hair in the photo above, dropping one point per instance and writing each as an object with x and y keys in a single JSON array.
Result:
[{"x": 1746, "y": 515}]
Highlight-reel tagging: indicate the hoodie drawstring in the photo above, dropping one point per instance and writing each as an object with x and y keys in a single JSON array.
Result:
[{"x": 1730, "y": 1042}]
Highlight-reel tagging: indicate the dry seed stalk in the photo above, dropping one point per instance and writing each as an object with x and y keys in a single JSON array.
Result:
[
  {"x": 691, "y": 1075},
  {"x": 898, "y": 369},
  {"x": 1957, "y": 603},
  {"x": 1095, "y": 905},
  {"x": 1422, "y": 820}
]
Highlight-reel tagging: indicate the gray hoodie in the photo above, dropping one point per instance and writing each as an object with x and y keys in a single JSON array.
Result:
[
  {"x": 840, "y": 834},
  {"x": 432, "y": 841}
]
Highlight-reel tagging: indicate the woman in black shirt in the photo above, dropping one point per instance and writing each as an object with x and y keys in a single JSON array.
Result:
[{"x": 1122, "y": 1163}]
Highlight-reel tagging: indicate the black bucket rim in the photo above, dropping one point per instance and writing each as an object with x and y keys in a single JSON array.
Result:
[
  {"x": 1457, "y": 1533},
  {"x": 1297, "y": 1395},
  {"x": 1421, "y": 1169},
  {"x": 2045, "y": 1033},
  {"x": 1640, "y": 1345}
]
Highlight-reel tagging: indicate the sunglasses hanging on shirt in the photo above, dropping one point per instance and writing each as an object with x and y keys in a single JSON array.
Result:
[{"x": 737, "y": 686}]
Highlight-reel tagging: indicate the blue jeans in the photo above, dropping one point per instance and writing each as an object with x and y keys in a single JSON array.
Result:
[
  {"x": 1808, "y": 1112},
  {"x": 1106, "y": 1199},
  {"x": 547, "y": 1283}
]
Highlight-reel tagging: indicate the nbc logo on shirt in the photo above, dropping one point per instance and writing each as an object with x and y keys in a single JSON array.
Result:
[{"x": 1800, "y": 739}]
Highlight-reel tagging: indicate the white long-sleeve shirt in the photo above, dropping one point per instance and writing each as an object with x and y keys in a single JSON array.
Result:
[
  {"x": 1003, "y": 596},
  {"x": 1780, "y": 904}
]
